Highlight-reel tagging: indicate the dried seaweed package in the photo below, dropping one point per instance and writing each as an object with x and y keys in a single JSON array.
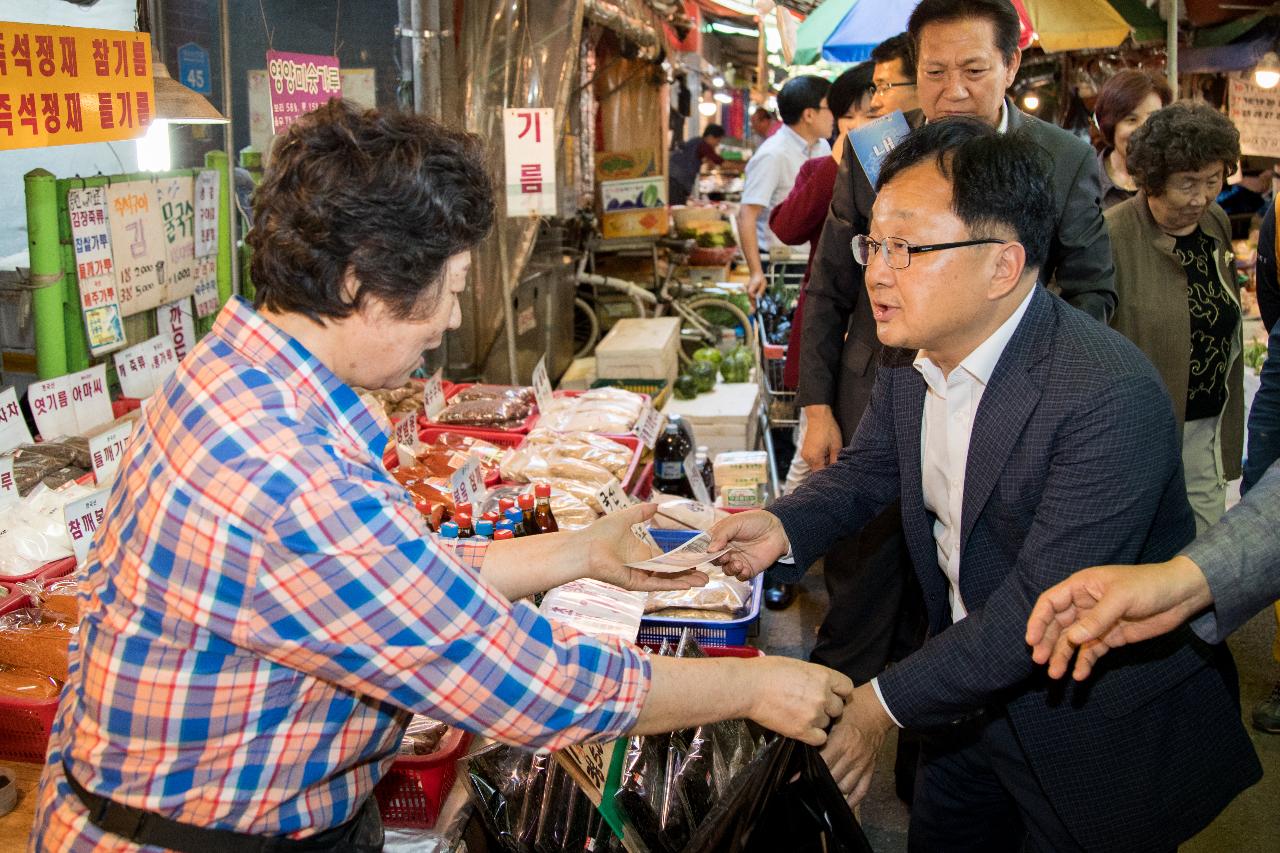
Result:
[
  {"x": 534, "y": 786},
  {"x": 497, "y": 778},
  {"x": 640, "y": 793}
]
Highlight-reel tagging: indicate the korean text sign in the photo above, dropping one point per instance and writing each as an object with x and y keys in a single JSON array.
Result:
[
  {"x": 65, "y": 85},
  {"x": 1255, "y": 112},
  {"x": 530, "y": 153},
  {"x": 300, "y": 82}
]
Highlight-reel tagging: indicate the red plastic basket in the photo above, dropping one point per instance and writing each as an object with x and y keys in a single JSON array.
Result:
[
  {"x": 451, "y": 391},
  {"x": 633, "y": 472},
  {"x": 124, "y": 405},
  {"x": 25, "y": 725},
  {"x": 49, "y": 571},
  {"x": 14, "y": 601},
  {"x": 414, "y": 789}
]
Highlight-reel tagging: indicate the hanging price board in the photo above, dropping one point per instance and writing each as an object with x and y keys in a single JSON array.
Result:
[
  {"x": 176, "y": 320},
  {"x": 8, "y": 489},
  {"x": 206, "y": 213},
  {"x": 162, "y": 358},
  {"x": 95, "y": 272},
  {"x": 177, "y": 210},
  {"x": 137, "y": 245},
  {"x": 13, "y": 427},
  {"x": 83, "y": 518},
  {"x": 106, "y": 450},
  {"x": 542, "y": 386},
  {"x": 133, "y": 368},
  {"x": 467, "y": 483},
  {"x": 649, "y": 426},
  {"x": 206, "y": 286},
  {"x": 433, "y": 396}
]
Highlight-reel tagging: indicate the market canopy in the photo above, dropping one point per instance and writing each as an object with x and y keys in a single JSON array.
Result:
[
  {"x": 1076, "y": 24},
  {"x": 848, "y": 30}
]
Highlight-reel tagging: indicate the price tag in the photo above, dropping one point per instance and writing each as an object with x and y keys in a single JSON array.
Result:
[
  {"x": 82, "y": 518},
  {"x": 642, "y": 533},
  {"x": 467, "y": 483},
  {"x": 89, "y": 398},
  {"x": 13, "y": 427},
  {"x": 433, "y": 396},
  {"x": 51, "y": 404},
  {"x": 591, "y": 760},
  {"x": 133, "y": 367},
  {"x": 612, "y": 498},
  {"x": 542, "y": 386},
  {"x": 406, "y": 435},
  {"x": 694, "y": 476},
  {"x": 106, "y": 450},
  {"x": 649, "y": 426},
  {"x": 8, "y": 488}
]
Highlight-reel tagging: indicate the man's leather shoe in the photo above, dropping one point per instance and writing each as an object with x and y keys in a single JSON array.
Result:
[{"x": 778, "y": 596}]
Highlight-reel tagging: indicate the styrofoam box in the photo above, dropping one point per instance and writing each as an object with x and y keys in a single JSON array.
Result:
[
  {"x": 640, "y": 349},
  {"x": 723, "y": 419}
]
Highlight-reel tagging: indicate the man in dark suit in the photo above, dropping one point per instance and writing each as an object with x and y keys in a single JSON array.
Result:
[
  {"x": 967, "y": 56},
  {"x": 1024, "y": 441}
]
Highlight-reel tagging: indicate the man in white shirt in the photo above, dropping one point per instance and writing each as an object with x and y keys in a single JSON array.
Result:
[
  {"x": 1024, "y": 441},
  {"x": 807, "y": 124}
]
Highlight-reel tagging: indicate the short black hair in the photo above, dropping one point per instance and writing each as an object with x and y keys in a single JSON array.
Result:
[
  {"x": 799, "y": 94},
  {"x": 997, "y": 180},
  {"x": 1001, "y": 14},
  {"x": 389, "y": 196},
  {"x": 1185, "y": 136},
  {"x": 850, "y": 88},
  {"x": 896, "y": 47},
  {"x": 715, "y": 130}
]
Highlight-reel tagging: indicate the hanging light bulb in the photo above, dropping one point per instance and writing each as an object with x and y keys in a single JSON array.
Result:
[
  {"x": 708, "y": 108},
  {"x": 1031, "y": 101},
  {"x": 1267, "y": 72},
  {"x": 153, "y": 148},
  {"x": 723, "y": 97},
  {"x": 717, "y": 81}
]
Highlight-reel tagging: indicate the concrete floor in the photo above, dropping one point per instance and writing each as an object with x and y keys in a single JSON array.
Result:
[{"x": 1251, "y": 823}]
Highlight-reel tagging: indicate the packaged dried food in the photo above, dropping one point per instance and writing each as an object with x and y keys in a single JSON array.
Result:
[
  {"x": 395, "y": 402},
  {"x": 23, "y": 683},
  {"x": 33, "y": 462},
  {"x": 449, "y": 451},
  {"x": 428, "y": 490},
  {"x": 422, "y": 736},
  {"x": 33, "y": 531},
  {"x": 582, "y": 457},
  {"x": 722, "y": 595},
  {"x": 36, "y": 639},
  {"x": 480, "y": 391},
  {"x": 58, "y": 595},
  {"x": 607, "y": 410},
  {"x": 502, "y": 413}
]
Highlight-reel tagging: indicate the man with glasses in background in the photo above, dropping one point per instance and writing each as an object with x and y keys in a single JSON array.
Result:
[
  {"x": 1024, "y": 441},
  {"x": 894, "y": 78}
]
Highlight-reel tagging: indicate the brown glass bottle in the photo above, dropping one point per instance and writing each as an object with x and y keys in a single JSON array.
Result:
[{"x": 542, "y": 515}]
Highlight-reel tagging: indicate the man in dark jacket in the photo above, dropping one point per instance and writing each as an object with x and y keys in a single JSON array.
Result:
[{"x": 966, "y": 57}]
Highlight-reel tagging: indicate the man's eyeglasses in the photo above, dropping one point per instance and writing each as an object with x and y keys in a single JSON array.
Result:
[
  {"x": 897, "y": 252},
  {"x": 883, "y": 88}
]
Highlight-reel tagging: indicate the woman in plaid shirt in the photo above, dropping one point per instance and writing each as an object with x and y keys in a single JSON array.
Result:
[{"x": 265, "y": 607}]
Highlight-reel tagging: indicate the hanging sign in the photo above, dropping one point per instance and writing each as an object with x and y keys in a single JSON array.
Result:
[
  {"x": 193, "y": 68},
  {"x": 1255, "y": 112},
  {"x": 133, "y": 368},
  {"x": 83, "y": 518},
  {"x": 175, "y": 197},
  {"x": 162, "y": 358},
  {"x": 13, "y": 427},
  {"x": 64, "y": 85},
  {"x": 529, "y": 137},
  {"x": 91, "y": 237},
  {"x": 206, "y": 286},
  {"x": 206, "y": 213},
  {"x": 137, "y": 245},
  {"x": 300, "y": 82},
  {"x": 176, "y": 321}
]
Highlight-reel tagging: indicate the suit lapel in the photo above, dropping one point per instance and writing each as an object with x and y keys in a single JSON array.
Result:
[{"x": 1007, "y": 403}]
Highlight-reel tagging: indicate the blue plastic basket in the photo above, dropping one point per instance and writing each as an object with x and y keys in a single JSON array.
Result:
[{"x": 655, "y": 629}]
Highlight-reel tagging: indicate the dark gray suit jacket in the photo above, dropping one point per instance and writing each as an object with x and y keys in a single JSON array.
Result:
[
  {"x": 839, "y": 344},
  {"x": 1074, "y": 461}
]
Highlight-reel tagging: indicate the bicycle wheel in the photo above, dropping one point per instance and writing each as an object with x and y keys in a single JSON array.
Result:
[
  {"x": 715, "y": 316},
  {"x": 586, "y": 327}
]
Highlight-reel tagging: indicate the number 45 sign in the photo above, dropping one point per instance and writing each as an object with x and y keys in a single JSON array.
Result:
[{"x": 530, "y": 138}]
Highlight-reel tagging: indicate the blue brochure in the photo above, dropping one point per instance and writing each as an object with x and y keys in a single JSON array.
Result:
[{"x": 873, "y": 142}]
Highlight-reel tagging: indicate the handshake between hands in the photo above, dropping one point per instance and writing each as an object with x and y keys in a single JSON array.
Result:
[{"x": 853, "y": 741}]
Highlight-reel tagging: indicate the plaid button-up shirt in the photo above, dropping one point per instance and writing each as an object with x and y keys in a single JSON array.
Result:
[{"x": 265, "y": 606}]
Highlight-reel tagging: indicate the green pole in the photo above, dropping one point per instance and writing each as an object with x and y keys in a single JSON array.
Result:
[
  {"x": 46, "y": 273},
  {"x": 218, "y": 160}
]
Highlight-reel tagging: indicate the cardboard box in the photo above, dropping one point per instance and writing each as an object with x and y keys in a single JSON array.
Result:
[
  {"x": 623, "y": 165},
  {"x": 725, "y": 418},
  {"x": 635, "y": 207},
  {"x": 741, "y": 468},
  {"x": 640, "y": 349}
]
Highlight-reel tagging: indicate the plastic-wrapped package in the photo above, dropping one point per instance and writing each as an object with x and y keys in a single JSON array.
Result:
[
  {"x": 722, "y": 594},
  {"x": 23, "y": 683},
  {"x": 33, "y": 531},
  {"x": 606, "y": 410},
  {"x": 496, "y": 776},
  {"x": 58, "y": 595},
  {"x": 675, "y": 513},
  {"x": 491, "y": 413},
  {"x": 395, "y": 402},
  {"x": 449, "y": 451},
  {"x": 480, "y": 391},
  {"x": 32, "y": 463},
  {"x": 598, "y": 450},
  {"x": 422, "y": 736},
  {"x": 37, "y": 639}
]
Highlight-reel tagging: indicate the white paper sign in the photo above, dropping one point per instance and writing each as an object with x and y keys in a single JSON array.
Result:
[
  {"x": 690, "y": 555},
  {"x": 90, "y": 399},
  {"x": 467, "y": 483},
  {"x": 50, "y": 402},
  {"x": 649, "y": 425},
  {"x": 612, "y": 498},
  {"x": 162, "y": 358},
  {"x": 8, "y": 489},
  {"x": 433, "y": 396},
  {"x": 13, "y": 427},
  {"x": 106, "y": 450},
  {"x": 530, "y": 151},
  {"x": 137, "y": 245},
  {"x": 83, "y": 518},
  {"x": 406, "y": 436},
  {"x": 133, "y": 368},
  {"x": 206, "y": 286},
  {"x": 694, "y": 476},
  {"x": 1255, "y": 112},
  {"x": 95, "y": 272},
  {"x": 177, "y": 211},
  {"x": 206, "y": 213},
  {"x": 177, "y": 321},
  {"x": 542, "y": 386}
]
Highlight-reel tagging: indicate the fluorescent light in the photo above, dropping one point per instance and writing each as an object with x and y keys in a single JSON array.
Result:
[
  {"x": 153, "y": 148},
  {"x": 731, "y": 30}
]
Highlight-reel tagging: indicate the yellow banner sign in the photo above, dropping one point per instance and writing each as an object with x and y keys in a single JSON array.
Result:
[{"x": 63, "y": 85}]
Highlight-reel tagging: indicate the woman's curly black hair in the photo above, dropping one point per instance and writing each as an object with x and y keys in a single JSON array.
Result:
[
  {"x": 1185, "y": 136},
  {"x": 388, "y": 196}
]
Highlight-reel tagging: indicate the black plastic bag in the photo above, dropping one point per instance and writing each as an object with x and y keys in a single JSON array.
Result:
[{"x": 787, "y": 800}]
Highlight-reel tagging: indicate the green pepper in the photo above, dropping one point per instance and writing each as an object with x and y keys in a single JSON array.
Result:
[
  {"x": 704, "y": 374},
  {"x": 686, "y": 387}
]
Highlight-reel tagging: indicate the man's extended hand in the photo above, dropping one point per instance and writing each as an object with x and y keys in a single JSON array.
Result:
[
  {"x": 855, "y": 741},
  {"x": 757, "y": 540},
  {"x": 609, "y": 544},
  {"x": 1099, "y": 609},
  {"x": 822, "y": 440}
]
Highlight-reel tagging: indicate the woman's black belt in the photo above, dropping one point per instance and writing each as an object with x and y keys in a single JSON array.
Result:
[{"x": 361, "y": 834}]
